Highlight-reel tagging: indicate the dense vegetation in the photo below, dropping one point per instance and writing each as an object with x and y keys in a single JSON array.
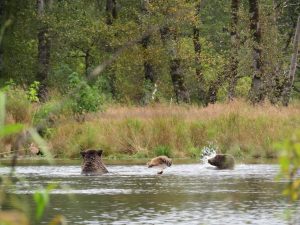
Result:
[
  {"x": 141, "y": 78},
  {"x": 62, "y": 60}
]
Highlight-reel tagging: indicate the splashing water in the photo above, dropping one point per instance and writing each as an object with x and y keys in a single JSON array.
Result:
[{"x": 208, "y": 152}]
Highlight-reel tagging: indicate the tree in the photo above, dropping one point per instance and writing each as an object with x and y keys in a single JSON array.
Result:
[
  {"x": 197, "y": 49},
  {"x": 175, "y": 16},
  {"x": 233, "y": 73},
  {"x": 149, "y": 72},
  {"x": 111, "y": 16},
  {"x": 111, "y": 11},
  {"x": 213, "y": 89},
  {"x": 44, "y": 43},
  {"x": 2, "y": 21},
  {"x": 7, "y": 11},
  {"x": 256, "y": 93},
  {"x": 169, "y": 37},
  {"x": 293, "y": 66}
]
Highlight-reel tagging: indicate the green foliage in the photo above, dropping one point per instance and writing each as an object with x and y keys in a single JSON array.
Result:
[
  {"x": 86, "y": 98},
  {"x": 41, "y": 199},
  {"x": 8, "y": 85},
  {"x": 32, "y": 93},
  {"x": 289, "y": 160},
  {"x": 8, "y": 129},
  {"x": 82, "y": 38},
  {"x": 163, "y": 150},
  {"x": 18, "y": 105},
  {"x": 194, "y": 152},
  {"x": 44, "y": 111},
  {"x": 134, "y": 125}
]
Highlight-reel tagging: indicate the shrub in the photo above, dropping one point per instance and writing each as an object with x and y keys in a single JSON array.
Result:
[
  {"x": 194, "y": 152},
  {"x": 163, "y": 150},
  {"x": 18, "y": 106},
  {"x": 32, "y": 93},
  {"x": 86, "y": 98}
]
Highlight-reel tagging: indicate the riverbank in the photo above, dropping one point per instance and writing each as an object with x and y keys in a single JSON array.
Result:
[{"x": 247, "y": 132}]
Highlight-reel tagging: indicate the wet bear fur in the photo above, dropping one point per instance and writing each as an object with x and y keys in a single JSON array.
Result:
[
  {"x": 222, "y": 161},
  {"x": 92, "y": 162}
]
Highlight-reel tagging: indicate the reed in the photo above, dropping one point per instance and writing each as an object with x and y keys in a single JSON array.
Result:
[{"x": 237, "y": 128}]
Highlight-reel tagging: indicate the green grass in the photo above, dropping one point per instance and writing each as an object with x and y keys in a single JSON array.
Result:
[{"x": 237, "y": 128}]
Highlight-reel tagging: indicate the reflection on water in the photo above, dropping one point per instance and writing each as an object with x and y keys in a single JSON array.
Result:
[{"x": 193, "y": 193}]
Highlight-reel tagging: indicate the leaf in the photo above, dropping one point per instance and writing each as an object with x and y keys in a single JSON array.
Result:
[
  {"x": 11, "y": 129},
  {"x": 284, "y": 163},
  {"x": 41, "y": 199},
  {"x": 2, "y": 108}
]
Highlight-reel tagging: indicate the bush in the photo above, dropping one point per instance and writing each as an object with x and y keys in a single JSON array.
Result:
[
  {"x": 194, "y": 152},
  {"x": 163, "y": 150},
  {"x": 86, "y": 98},
  {"x": 18, "y": 106},
  {"x": 32, "y": 93}
]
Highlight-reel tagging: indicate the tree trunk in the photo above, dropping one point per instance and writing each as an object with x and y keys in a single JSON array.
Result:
[
  {"x": 43, "y": 53},
  {"x": 275, "y": 78},
  {"x": 291, "y": 75},
  {"x": 111, "y": 11},
  {"x": 87, "y": 61},
  {"x": 149, "y": 72},
  {"x": 197, "y": 49},
  {"x": 180, "y": 90},
  {"x": 148, "y": 67},
  {"x": 256, "y": 93},
  {"x": 111, "y": 15},
  {"x": 2, "y": 21},
  {"x": 177, "y": 77},
  {"x": 214, "y": 87},
  {"x": 233, "y": 68},
  {"x": 1, "y": 59}
]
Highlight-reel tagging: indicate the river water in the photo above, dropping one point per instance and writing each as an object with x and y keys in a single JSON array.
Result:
[{"x": 184, "y": 194}]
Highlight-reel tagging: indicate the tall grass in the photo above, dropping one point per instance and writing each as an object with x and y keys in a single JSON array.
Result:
[
  {"x": 178, "y": 131},
  {"x": 182, "y": 131}
]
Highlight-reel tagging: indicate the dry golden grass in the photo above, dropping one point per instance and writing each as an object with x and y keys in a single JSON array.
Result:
[
  {"x": 180, "y": 131},
  {"x": 237, "y": 128},
  {"x": 195, "y": 112}
]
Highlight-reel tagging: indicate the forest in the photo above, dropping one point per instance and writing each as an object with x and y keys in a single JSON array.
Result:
[{"x": 142, "y": 76}]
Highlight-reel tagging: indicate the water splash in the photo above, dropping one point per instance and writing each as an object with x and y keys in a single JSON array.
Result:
[{"x": 208, "y": 152}]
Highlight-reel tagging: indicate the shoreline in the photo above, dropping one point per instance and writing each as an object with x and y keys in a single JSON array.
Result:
[{"x": 61, "y": 162}]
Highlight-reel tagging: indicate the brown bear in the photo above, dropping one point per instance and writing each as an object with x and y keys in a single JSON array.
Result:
[
  {"x": 92, "y": 162},
  {"x": 222, "y": 161},
  {"x": 161, "y": 162}
]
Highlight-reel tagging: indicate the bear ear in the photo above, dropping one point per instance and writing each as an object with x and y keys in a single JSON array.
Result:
[
  {"x": 82, "y": 153},
  {"x": 99, "y": 152}
]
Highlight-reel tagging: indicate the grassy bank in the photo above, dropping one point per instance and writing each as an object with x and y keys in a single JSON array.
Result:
[
  {"x": 237, "y": 128},
  {"x": 141, "y": 132}
]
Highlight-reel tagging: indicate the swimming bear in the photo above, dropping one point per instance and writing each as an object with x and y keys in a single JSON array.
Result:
[
  {"x": 222, "y": 161},
  {"x": 161, "y": 162},
  {"x": 92, "y": 162}
]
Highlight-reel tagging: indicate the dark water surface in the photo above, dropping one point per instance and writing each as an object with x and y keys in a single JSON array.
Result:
[{"x": 184, "y": 194}]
